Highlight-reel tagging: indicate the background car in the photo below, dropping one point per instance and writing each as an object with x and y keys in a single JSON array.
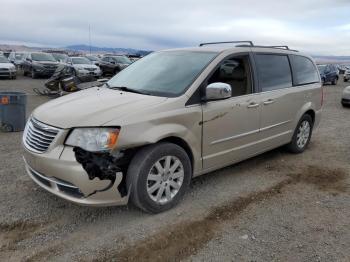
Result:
[
  {"x": 329, "y": 74},
  {"x": 346, "y": 97},
  {"x": 17, "y": 58},
  {"x": 39, "y": 64},
  {"x": 347, "y": 75},
  {"x": 61, "y": 58},
  {"x": 94, "y": 59},
  {"x": 7, "y": 69},
  {"x": 113, "y": 64},
  {"x": 84, "y": 67}
]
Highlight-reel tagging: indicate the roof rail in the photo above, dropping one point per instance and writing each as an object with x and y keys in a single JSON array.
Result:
[
  {"x": 279, "y": 46},
  {"x": 227, "y": 42},
  {"x": 284, "y": 47},
  {"x": 250, "y": 44}
]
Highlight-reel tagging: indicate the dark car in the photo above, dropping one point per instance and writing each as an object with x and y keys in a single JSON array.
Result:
[
  {"x": 17, "y": 58},
  {"x": 39, "y": 64},
  {"x": 112, "y": 64},
  {"x": 329, "y": 74}
]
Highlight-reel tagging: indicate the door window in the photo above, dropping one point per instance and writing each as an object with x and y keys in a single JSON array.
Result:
[
  {"x": 304, "y": 70},
  {"x": 235, "y": 72},
  {"x": 273, "y": 72}
]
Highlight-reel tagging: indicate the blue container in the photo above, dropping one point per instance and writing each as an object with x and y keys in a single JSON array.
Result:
[{"x": 12, "y": 111}]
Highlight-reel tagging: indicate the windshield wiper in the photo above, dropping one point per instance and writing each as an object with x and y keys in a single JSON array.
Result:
[{"x": 127, "y": 89}]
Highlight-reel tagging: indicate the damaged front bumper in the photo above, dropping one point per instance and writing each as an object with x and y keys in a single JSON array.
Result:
[{"x": 59, "y": 173}]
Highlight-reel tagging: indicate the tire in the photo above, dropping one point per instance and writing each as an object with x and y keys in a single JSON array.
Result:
[
  {"x": 33, "y": 74},
  {"x": 295, "y": 146},
  {"x": 143, "y": 166},
  {"x": 323, "y": 81},
  {"x": 335, "y": 81},
  {"x": 345, "y": 80}
]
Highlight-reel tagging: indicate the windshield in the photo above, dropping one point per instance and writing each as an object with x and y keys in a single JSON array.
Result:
[
  {"x": 80, "y": 61},
  {"x": 19, "y": 56},
  {"x": 92, "y": 58},
  {"x": 122, "y": 59},
  {"x": 3, "y": 59},
  {"x": 321, "y": 68},
  {"x": 166, "y": 74},
  {"x": 60, "y": 57},
  {"x": 42, "y": 57}
]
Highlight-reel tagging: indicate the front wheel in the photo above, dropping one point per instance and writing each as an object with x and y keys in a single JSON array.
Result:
[
  {"x": 158, "y": 177},
  {"x": 302, "y": 135},
  {"x": 33, "y": 74}
]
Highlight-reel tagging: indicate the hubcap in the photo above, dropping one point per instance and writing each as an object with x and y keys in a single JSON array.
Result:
[
  {"x": 165, "y": 179},
  {"x": 303, "y": 134}
]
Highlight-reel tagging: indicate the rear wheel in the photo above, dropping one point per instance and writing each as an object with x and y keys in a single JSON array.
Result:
[
  {"x": 158, "y": 176},
  {"x": 302, "y": 135},
  {"x": 335, "y": 81}
]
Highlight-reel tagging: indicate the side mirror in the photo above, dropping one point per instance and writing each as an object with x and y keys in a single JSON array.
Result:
[
  {"x": 218, "y": 91},
  {"x": 28, "y": 59},
  {"x": 112, "y": 62}
]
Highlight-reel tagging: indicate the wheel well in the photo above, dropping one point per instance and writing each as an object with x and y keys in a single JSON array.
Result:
[
  {"x": 312, "y": 114},
  {"x": 182, "y": 143}
]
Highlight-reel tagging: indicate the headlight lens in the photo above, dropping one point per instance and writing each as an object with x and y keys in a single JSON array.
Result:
[{"x": 94, "y": 139}]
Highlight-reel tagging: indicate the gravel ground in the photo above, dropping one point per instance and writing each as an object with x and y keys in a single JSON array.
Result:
[{"x": 274, "y": 207}]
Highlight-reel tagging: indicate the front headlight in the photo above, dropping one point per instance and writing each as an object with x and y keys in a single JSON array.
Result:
[{"x": 94, "y": 139}]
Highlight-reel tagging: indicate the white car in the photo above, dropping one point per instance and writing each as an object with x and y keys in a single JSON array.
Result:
[
  {"x": 7, "y": 69},
  {"x": 84, "y": 67},
  {"x": 346, "y": 75},
  {"x": 346, "y": 96}
]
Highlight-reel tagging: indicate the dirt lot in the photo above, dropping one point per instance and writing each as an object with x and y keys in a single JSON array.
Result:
[{"x": 274, "y": 207}]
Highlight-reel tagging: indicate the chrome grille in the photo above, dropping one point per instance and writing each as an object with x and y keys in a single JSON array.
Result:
[{"x": 38, "y": 136}]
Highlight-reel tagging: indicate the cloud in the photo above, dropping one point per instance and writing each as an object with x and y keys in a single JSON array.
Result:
[{"x": 318, "y": 26}]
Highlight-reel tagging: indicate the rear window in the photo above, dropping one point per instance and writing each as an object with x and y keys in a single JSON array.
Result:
[
  {"x": 304, "y": 70},
  {"x": 273, "y": 71}
]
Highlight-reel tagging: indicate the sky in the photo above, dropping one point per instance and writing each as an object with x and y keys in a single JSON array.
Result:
[{"x": 314, "y": 26}]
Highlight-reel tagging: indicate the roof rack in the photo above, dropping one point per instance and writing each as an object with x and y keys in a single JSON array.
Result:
[
  {"x": 228, "y": 42},
  {"x": 250, "y": 44}
]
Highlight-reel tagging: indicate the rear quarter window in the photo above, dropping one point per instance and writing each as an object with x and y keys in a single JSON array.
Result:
[
  {"x": 304, "y": 70},
  {"x": 273, "y": 71}
]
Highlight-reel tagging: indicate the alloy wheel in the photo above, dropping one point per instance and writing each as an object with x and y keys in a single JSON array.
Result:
[
  {"x": 165, "y": 179},
  {"x": 303, "y": 134}
]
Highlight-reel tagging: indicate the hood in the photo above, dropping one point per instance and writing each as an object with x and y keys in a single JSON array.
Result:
[
  {"x": 46, "y": 62},
  {"x": 93, "y": 107},
  {"x": 7, "y": 65},
  {"x": 85, "y": 66}
]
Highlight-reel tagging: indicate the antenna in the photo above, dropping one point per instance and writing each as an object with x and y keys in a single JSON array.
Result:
[{"x": 90, "y": 38}]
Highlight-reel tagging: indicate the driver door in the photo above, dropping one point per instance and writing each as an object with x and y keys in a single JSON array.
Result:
[{"x": 231, "y": 126}]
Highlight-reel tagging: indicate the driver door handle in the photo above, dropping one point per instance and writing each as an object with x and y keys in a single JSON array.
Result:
[
  {"x": 253, "y": 105},
  {"x": 269, "y": 101}
]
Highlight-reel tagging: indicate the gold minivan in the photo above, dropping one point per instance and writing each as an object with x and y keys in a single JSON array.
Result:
[{"x": 171, "y": 116}]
